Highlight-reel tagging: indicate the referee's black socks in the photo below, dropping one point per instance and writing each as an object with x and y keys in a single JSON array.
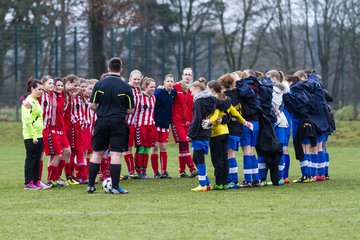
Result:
[
  {"x": 93, "y": 170},
  {"x": 115, "y": 170}
]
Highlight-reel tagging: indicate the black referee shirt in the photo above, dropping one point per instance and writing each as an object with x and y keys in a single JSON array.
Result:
[{"x": 114, "y": 97}]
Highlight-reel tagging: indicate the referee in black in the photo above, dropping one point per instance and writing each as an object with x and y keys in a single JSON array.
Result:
[{"x": 112, "y": 99}]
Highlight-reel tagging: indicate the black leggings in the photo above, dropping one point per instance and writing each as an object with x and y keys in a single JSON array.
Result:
[
  {"x": 32, "y": 160},
  {"x": 219, "y": 158}
]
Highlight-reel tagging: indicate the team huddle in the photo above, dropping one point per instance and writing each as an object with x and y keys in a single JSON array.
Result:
[{"x": 69, "y": 118}]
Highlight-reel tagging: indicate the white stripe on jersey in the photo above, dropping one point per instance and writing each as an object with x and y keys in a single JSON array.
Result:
[
  {"x": 77, "y": 107},
  {"x": 130, "y": 119},
  {"x": 145, "y": 111},
  {"x": 46, "y": 106},
  {"x": 90, "y": 115},
  {"x": 53, "y": 110}
]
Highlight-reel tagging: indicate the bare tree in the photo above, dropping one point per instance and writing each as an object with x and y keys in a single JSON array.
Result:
[
  {"x": 307, "y": 32},
  {"x": 4, "y": 8},
  {"x": 326, "y": 36},
  {"x": 103, "y": 13},
  {"x": 339, "y": 66},
  {"x": 242, "y": 27},
  {"x": 284, "y": 43},
  {"x": 353, "y": 9},
  {"x": 193, "y": 17}
]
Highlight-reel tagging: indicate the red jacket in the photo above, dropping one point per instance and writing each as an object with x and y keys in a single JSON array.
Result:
[{"x": 182, "y": 109}]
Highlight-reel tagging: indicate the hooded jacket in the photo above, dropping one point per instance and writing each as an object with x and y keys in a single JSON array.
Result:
[
  {"x": 266, "y": 97},
  {"x": 248, "y": 90},
  {"x": 297, "y": 100},
  {"x": 204, "y": 107},
  {"x": 317, "y": 102}
]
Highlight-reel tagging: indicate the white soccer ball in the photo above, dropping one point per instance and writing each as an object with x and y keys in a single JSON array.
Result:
[{"x": 107, "y": 185}]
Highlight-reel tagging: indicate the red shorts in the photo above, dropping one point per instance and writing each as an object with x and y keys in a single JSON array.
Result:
[
  {"x": 162, "y": 135},
  {"x": 132, "y": 138},
  {"x": 44, "y": 132},
  {"x": 179, "y": 132},
  {"x": 76, "y": 141},
  {"x": 145, "y": 136},
  {"x": 55, "y": 142},
  {"x": 86, "y": 136},
  {"x": 45, "y": 143},
  {"x": 64, "y": 141}
]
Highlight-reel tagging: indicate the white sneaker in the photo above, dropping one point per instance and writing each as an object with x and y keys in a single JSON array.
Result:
[
  {"x": 61, "y": 183},
  {"x": 42, "y": 185}
]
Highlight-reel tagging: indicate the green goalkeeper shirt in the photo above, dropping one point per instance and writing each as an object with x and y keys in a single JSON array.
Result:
[{"x": 32, "y": 120}]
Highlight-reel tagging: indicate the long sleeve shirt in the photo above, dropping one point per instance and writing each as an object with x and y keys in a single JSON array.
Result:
[{"x": 32, "y": 119}]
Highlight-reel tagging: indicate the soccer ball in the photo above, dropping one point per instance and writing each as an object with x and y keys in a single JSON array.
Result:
[{"x": 107, "y": 185}]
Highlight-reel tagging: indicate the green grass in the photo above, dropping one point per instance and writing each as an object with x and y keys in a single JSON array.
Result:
[{"x": 166, "y": 209}]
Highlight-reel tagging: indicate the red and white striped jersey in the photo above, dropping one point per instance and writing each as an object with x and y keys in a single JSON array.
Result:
[
  {"x": 77, "y": 110},
  {"x": 84, "y": 106},
  {"x": 89, "y": 115},
  {"x": 46, "y": 102},
  {"x": 67, "y": 114},
  {"x": 130, "y": 119},
  {"x": 58, "y": 111},
  {"x": 145, "y": 111}
]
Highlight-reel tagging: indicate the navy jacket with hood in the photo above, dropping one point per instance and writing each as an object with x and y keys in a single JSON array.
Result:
[
  {"x": 266, "y": 95},
  {"x": 248, "y": 90},
  {"x": 297, "y": 100},
  {"x": 204, "y": 105},
  {"x": 318, "y": 109}
]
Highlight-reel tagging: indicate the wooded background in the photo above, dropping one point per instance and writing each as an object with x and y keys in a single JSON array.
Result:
[{"x": 59, "y": 37}]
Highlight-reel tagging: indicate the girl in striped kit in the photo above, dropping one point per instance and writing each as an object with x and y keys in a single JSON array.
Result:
[
  {"x": 45, "y": 102},
  {"x": 60, "y": 123},
  {"x": 145, "y": 130},
  {"x": 58, "y": 146},
  {"x": 69, "y": 82},
  {"x": 134, "y": 81},
  {"x": 77, "y": 121},
  {"x": 89, "y": 122}
]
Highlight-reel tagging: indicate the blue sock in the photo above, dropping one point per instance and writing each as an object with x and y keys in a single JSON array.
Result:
[
  {"x": 233, "y": 171},
  {"x": 321, "y": 160},
  {"x": 326, "y": 163},
  {"x": 255, "y": 168},
  {"x": 314, "y": 164},
  {"x": 202, "y": 174},
  {"x": 262, "y": 167},
  {"x": 247, "y": 168},
  {"x": 304, "y": 166},
  {"x": 287, "y": 165},
  {"x": 310, "y": 166},
  {"x": 281, "y": 167}
]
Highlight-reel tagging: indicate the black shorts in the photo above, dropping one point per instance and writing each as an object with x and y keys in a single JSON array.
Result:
[{"x": 110, "y": 131}]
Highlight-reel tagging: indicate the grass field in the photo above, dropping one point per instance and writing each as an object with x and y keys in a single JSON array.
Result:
[{"x": 167, "y": 209}]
